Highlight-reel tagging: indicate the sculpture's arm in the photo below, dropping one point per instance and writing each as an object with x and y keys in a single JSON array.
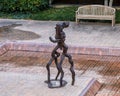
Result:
[{"x": 54, "y": 40}]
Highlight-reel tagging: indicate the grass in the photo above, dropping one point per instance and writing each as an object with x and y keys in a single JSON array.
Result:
[{"x": 60, "y": 14}]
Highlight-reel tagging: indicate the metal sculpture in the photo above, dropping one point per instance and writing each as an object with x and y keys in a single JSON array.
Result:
[{"x": 60, "y": 40}]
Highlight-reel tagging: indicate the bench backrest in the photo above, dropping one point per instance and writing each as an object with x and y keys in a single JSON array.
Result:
[{"x": 96, "y": 10}]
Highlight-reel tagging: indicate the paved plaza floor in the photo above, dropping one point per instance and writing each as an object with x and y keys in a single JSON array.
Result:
[
  {"x": 84, "y": 34},
  {"x": 26, "y": 84}
]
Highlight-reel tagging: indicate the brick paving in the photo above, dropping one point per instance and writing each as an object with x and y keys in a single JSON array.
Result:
[{"x": 104, "y": 68}]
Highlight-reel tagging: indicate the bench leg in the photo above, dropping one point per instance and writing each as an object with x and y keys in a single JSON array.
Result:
[
  {"x": 77, "y": 21},
  {"x": 113, "y": 22}
]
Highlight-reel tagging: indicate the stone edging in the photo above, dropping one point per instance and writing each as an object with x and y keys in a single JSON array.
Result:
[
  {"x": 36, "y": 47},
  {"x": 91, "y": 88}
]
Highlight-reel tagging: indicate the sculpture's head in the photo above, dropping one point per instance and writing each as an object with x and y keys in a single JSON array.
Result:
[
  {"x": 61, "y": 26},
  {"x": 65, "y": 24}
]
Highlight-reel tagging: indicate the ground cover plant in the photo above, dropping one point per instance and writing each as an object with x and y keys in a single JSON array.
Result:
[
  {"x": 23, "y": 5},
  {"x": 118, "y": 16},
  {"x": 55, "y": 14}
]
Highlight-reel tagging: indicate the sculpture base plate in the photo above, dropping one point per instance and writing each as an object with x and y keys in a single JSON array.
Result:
[{"x": 56, "y": 83}]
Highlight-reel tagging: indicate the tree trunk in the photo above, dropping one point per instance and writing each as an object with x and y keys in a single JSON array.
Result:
[
  {"x": 110, "y": 3},
  {"x": 106, "y": 2},
  {"x": 50, "y": 2}
]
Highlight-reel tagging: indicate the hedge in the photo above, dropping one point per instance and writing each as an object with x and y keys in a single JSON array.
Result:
[{"x": 23, "y": 5}]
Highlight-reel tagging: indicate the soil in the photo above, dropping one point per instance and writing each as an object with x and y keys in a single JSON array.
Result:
[{"x": 10, "y": 33}]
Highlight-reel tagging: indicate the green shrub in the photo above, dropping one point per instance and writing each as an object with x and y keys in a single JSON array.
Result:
[
  {"x": 67, "y": 13},
  {"x": 23, "y": 5},
  {"x": 118, "y": 16},
  {"x": 60, "y": 14}
]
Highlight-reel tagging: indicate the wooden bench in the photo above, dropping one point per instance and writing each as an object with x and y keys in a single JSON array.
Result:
[{"x": 96, "y": 12}]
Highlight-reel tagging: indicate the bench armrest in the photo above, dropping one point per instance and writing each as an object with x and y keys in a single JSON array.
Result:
[
  {"x": 114, "y": 12},
  {"x": 77, "y": 12}
]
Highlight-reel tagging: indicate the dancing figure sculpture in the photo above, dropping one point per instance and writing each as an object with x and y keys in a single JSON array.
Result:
[{"x": 60, "y": 40}]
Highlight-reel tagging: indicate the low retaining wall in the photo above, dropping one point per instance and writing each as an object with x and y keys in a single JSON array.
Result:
[{"x": 36, "y": 47}]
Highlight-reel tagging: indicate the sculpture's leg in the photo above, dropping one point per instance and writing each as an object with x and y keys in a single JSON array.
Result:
[
  {"x": 60, "y": 68},
  {"x": 56, "y": 54},
  {"x": 48, "y": 68},
  {"x": 56, "y": 62},
  {"x": 65, "y": 48},
  {"x": 71, "y": 68}
]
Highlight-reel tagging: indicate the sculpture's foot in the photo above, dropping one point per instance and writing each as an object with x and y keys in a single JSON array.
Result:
[{"x": 56, "y": 83}]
